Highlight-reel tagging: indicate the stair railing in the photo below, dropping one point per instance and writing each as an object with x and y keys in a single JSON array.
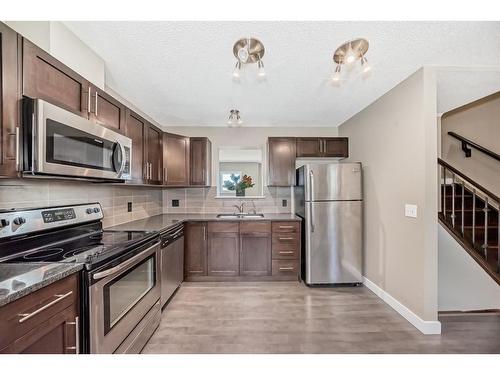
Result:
[{"x": 450, "y": 176}]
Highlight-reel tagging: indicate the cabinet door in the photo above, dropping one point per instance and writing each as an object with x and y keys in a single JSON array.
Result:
[
  {"x": 135, "y": 130},
  {"x": 281, "y": 155},
  {"x": 9, "y": 99},
  {"x": 106, "y": 110},
  {"x": 255, "y": 254},
  {"x": 154, "y": 153},
  {"x": 46, "y": 78},
  {"x": 308, "y": 147},
  {"x": 200, "y": 158},
  {"x": 223, "y": 254},
  {"x": 335, "y": 147},
  {"x": 176, "y": 160},
  {"x": 195, "y": 247}
]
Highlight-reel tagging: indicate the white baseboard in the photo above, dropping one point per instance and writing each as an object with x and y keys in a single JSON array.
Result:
[{"x": 427, "y": 327}]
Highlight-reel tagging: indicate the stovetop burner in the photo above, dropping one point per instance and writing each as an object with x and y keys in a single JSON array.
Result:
[{"x": 43, "y": 254}]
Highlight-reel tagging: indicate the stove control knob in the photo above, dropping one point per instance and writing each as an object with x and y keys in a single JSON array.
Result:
[
  {"x": 89, "y": 210},
  {"x": 97, "y": 210},
  {"x": 4, "y": 223},
  {"x": 19, "y": 220}
]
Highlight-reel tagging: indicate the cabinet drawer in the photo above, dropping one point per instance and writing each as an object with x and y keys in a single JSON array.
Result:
[
  {"x": 285, "y": 267},
  {"x": 255, "y": 227},
  {"x": 286, "y": 247},
  {"x": 21, "y": 316},
  {"x": 286, "y": 227},
  {"x": 225, "y": 227}
]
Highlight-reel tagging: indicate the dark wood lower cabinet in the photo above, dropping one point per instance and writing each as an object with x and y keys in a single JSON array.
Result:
[
  {"x": 255, "y": 254},
  {"x": 195, "y": 249},
  {"x": 223, "y": 254},
  {"x": 43, "y": 322}
]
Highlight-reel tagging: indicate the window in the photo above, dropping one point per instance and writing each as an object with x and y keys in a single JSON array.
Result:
[{"x": 240, "y": 172}]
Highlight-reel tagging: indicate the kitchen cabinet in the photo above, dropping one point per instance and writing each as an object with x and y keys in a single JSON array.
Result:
[
  {"x": 223, "y": 249},
  {"x": 255, "y": 248},
  {"x": 322, "y": 147},
  {"x": 200, "y": 160},
  {"x": 281, "y": 156},
  {"x": 175, "y": 160},
  {"x": 286, "y": 244},
  {"x": 45, "y": 321},
  {"x": 135, "y": 130},
  {"x": 195, "y": 249},
  {"x": 9, "y": 99},
  {"x": 47, "y": 78},
  {"x": 106, "y": 110},
  {"x": 153, "y": 153}
]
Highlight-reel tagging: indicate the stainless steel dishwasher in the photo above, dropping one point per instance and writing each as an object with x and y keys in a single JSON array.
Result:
[{"x": 172, "y": 262}]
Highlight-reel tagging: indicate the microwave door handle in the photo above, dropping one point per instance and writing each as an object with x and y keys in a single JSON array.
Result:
[{"x": 123, "y": 161}]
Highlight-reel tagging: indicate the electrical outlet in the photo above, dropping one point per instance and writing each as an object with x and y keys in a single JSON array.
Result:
[
  {"x": 129, "y": 206},
  {"x": 410, "y": 210},
  {"x": 284, "y": 203},
  {"x": 175, "y": 203}
]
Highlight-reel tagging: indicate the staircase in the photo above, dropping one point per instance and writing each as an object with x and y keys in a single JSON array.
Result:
[{"x": 471, "y": 214}]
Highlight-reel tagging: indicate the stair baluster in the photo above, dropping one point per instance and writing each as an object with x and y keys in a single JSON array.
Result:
[
  {"x": 463, "y": 202},
  {"x": 485, "y": 245}
]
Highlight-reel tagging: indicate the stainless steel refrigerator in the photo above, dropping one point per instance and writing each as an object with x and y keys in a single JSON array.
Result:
[{"x": 329, "y": 198}]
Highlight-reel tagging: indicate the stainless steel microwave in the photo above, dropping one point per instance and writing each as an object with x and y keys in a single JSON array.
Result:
[{"x": 60, "y": 143}]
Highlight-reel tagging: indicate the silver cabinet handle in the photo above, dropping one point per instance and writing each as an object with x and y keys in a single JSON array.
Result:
[
  {"x": 18, "y": 146},
  {"x": 96, "y": 100},
  {"x": 76, "y": 323},
  {"x": 164, "y": 174},
  {"x": 88, "y": 99},
  {"x": 123, "y": 265},
  {"x": 286, "y": 238},
  {"x": 286, "y": 268},
  {"x": 286, "y": 252},
  {"x": 286, "y": 226},
  {"x": 60, "y": 297}
]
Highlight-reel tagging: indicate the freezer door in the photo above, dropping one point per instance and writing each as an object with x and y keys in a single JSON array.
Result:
[
  {"x": 333, "y": 242},
  {"x": 335, "y": 181}
]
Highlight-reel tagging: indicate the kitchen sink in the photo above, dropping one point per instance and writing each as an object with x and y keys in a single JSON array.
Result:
[{"x": 240, "y": 216}]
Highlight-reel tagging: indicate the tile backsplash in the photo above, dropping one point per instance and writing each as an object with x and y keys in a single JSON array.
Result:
[
  {"x": 198, "y": 200},
  {"x": 146, "y": 201},
  {"x": 113, "y": 198}
]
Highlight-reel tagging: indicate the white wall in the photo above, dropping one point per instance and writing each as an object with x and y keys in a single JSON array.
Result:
[
  {"x": 463, "y": 284},
  {"x": 395, "y": 139}
]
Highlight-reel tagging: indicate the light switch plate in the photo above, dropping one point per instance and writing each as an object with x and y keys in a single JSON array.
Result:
[{"x": 410, "y": 210}]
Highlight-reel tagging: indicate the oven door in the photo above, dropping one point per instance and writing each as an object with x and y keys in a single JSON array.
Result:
[
  {"x": 121, "y": 298},
  {"x": 69, "y": 145}
]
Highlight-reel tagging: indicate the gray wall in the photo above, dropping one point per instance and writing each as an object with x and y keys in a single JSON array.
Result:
[
  {"x": 396, "y": 140},
  {"x": 480, "y": 122}
]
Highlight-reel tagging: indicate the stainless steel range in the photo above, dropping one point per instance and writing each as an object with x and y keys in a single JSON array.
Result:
[{"x": 121, "y": 283}]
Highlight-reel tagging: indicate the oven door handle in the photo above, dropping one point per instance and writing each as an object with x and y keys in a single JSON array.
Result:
[{"x": 122, "y": 266}]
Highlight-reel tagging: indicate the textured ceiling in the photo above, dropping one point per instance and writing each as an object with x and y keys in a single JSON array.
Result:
[{"x": 180, "y": 72}]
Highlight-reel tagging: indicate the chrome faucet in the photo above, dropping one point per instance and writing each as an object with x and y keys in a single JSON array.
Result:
[{"x": 240, "y": 207}]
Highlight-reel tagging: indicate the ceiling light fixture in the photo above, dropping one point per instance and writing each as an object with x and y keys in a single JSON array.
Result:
[
  {"x": 248, "y": 51},
  {"x": 234, "y": 119},
  {"x": 348, "y": 53}
]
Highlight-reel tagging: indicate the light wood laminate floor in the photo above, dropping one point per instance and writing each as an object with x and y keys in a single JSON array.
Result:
[{"x": 289, "y": 317}]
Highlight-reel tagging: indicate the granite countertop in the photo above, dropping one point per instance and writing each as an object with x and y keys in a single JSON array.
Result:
[
  {"x": 166, "y": 221},
  {"x": 20, "y": 279}
]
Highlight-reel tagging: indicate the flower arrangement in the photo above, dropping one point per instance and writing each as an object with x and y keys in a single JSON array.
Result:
[{"x": 239, "y": 184}]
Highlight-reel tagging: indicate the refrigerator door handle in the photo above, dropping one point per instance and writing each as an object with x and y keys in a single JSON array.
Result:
[{"x": 311, "y": 209}]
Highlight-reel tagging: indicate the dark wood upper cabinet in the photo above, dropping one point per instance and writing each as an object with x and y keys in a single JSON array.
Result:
[
  {"x": 200, "y": 160},
  {"x": 106, "y": 110},
  {"x": 223, "y": 249},
  {"x": 195, "y": 249},
  {"x": 47, "y": 78},
  {"x": 9, "y": 99},
  {"x": 153, "y": 153},
  {"x": 175, "y": 160},
  {"x": 335, "y": 147},
  {"x": 308, "y": 147},
  {"x": 281, "y": 155},
  {"x": 135, "y": 129},
  {"x": 322, "y": 147}
]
